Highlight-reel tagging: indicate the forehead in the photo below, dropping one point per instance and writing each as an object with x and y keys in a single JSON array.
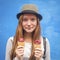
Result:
[{"x": 29, "y": 15}]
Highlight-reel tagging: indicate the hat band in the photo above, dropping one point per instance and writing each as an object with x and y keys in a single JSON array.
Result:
[{"x": 29, "y": 11}]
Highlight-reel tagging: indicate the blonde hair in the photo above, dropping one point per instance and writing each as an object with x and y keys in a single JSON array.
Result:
[{"x": 20, "y": 34}]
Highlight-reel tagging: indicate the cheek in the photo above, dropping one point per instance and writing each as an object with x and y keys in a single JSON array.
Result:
[
  {"x": 24, "y": 25},
  {"x": 35, "y": 23}
]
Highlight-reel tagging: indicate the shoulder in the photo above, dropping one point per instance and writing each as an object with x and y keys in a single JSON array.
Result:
[
  {"x": 10, "y": 41},
  {"x": 45, "y": 39},
  {"x": 47, "y": 43},
  {"x": 10, "y": 38}
]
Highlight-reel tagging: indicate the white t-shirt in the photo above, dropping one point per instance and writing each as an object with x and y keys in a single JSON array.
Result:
[{"x": 27, "y": 50}]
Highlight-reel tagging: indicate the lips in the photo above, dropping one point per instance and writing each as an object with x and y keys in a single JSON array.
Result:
[{"x": 28, "y": 27}]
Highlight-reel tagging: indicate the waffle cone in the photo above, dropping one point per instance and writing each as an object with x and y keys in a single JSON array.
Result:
[
  {"x": 20, "y": 43},
  {"x": 37, "y": 46}
]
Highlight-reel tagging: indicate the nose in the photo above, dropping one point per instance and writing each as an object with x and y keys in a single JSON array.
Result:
[{"x": 29, "y": 22}]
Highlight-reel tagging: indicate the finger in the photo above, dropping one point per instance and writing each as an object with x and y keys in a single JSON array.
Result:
[
  {"x": 21, "y": 49},
  {"x": 18, "y": 47},
  {"x": 37, "y": 55},
  {"x": 18, "y": 51},
  {"x": 21, "y": 54},
  {"x": 38, "y": 49}
]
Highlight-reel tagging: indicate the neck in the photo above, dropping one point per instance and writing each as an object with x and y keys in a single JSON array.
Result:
[{"x": 28, "y": 37}]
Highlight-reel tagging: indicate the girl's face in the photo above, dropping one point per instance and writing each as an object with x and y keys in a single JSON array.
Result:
[{"x": 29, "y": 22}]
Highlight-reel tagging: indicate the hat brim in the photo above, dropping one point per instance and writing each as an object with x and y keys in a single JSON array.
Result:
[{"x": 29, "y": 12}]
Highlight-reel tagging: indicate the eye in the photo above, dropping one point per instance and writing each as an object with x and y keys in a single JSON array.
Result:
[
  {"x": 33, "y": 19},
  {"x": 24, "y": 19}
]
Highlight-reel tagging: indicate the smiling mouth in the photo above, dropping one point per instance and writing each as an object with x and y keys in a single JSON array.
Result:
[{"x": 29, "y": 28}]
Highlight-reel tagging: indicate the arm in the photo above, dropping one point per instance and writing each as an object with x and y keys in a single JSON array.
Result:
[
  {"x": 8, "y": 49},
  {"x": 47, "y": 50}
]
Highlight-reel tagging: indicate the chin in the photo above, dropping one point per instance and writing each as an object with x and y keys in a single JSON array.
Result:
[{"x": 29, "y": 31}]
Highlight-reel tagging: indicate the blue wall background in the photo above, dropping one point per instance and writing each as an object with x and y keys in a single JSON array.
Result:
[{"x": 50, "y": 10}]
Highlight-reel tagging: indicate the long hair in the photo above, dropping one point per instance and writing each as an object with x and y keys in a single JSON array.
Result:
[{"x": 20, "y": 34}]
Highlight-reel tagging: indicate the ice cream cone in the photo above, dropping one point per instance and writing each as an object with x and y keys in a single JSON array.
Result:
[
  {"x": 21, "y": 42},
  {"x": 37, "y": 44}
]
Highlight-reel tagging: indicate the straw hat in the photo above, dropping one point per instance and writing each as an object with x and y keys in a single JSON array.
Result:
[{"x": 29, "y": 9}]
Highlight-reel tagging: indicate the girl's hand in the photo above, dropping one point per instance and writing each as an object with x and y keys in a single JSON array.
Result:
[
  {"x": 19, "y": 51},
  {"x": 38, "y": 53}
]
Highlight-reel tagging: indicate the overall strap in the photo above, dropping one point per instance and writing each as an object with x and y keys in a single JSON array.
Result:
[{"x": 44, "y": 43}]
